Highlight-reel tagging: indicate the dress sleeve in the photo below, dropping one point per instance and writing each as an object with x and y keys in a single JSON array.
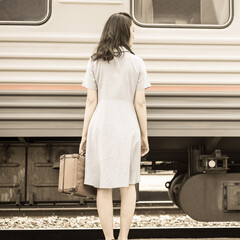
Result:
[
  {"x": 143, "y": 81},
  {"x": 89, "y": 80}
]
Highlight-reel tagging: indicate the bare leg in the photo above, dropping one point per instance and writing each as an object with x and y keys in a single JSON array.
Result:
[
  {"x": 128, "y": 204},
  {"x": 105, "y": 211}
]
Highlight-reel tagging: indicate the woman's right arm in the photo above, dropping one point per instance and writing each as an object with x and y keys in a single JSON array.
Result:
[{"x": 141, "y": 110}]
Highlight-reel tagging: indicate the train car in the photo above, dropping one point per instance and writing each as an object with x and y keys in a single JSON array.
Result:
[{"x": 192, "y": 53}]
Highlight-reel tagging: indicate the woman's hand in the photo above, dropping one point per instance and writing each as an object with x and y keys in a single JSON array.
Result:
[
  {"x": 144, "y": 146},
  {"x": 82, "y": 146}
]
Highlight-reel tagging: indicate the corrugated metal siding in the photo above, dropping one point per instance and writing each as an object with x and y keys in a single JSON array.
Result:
[
  {"x": 63, "y": 61},
  {"x": 57, "y": 53},
  {"x": 46, "y": 63},
  {"x": 59, "y": 113},
  {"x": 177, "y": 63}
]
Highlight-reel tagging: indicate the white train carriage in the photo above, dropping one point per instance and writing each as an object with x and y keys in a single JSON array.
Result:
[{"x": 191, "y": 49}]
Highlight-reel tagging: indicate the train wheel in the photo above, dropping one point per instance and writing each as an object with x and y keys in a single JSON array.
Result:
[{"x": 174, "y": 188}]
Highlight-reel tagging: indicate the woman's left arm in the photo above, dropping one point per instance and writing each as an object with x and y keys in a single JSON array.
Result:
[{"x": 91, "y": 103}]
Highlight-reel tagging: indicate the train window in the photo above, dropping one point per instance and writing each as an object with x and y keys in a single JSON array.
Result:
[
  {"x": 24, "y": 11},
  {"x": 184, "y": 13}
]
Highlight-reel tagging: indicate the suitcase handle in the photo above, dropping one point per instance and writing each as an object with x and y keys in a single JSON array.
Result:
[{"x": 82, "y": 154}]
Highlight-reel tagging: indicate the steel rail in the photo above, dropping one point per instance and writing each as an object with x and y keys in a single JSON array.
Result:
[
  {"x": 134, "y": 233},
  {"x": 144, "y": 207}
]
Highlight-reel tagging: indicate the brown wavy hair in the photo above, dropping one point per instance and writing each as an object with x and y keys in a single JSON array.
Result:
[{"x": 116, "y": 33}]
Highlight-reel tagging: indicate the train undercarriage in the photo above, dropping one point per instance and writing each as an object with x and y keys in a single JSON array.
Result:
[{"x": 206, "y": 184}]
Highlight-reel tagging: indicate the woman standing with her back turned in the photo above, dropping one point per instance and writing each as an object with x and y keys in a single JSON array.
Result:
[{"x": 114, "y": 133}]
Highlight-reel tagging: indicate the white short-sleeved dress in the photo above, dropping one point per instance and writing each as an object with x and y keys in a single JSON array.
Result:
[{"x": 113, "y": 147}]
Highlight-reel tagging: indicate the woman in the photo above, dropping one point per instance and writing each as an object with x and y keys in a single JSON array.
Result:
[{"x": 114, "y": 133}]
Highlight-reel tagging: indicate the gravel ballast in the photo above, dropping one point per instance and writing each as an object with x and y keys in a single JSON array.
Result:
[{"x": 54, "y": 222}]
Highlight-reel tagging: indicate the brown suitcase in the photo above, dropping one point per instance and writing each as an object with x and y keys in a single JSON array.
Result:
[{"x": 71, "y": 176}]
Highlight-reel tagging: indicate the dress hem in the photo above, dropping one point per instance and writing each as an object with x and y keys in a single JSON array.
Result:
[{"x": 110, "y": 186}]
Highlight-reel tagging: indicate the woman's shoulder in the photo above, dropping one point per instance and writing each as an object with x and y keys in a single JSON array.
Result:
[{"x": 135, "y": 58}]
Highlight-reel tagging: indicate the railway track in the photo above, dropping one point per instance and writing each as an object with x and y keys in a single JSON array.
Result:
[
  {"x": 142, "y": 207},
  {"x": 135, "y": 233}
]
